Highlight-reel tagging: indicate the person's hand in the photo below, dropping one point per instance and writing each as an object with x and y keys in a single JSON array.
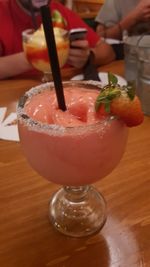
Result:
[
  {"x": 79, "y": 53},
  {"x": 100, "y": 30},
  {"x": 142, "y": 11}
]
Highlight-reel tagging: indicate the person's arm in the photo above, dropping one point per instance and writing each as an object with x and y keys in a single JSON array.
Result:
[
  {"x": 140, "y": 13},
  {"x": 104, "y": 53},
  {"x": 13, "y": 65},
  {"x": 80, "y": 49}
]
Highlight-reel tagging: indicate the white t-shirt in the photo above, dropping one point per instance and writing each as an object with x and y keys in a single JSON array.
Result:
[{"x": 115, "y": 10}]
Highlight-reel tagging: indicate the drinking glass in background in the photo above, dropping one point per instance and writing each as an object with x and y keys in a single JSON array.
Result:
[
  {"x": 137, "y": 66},
  {"x": 35, "y": 48},
  {"x": 130, "y": 56},
  {"x": 72, "y": 149},
  {"x": 143, "y": 77}
]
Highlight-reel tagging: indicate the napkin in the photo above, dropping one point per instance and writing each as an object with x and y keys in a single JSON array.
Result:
[
  {"x": 8, "y": 125},
  {"x": 89, "y": 70}
]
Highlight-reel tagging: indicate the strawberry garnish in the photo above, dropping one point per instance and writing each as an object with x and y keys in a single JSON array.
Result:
[
  {"x": 120, "y": 101},
  {"x": 58, "y": 20}
]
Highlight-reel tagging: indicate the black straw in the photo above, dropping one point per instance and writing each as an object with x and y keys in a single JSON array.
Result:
[{"x": 52, "y": 52}]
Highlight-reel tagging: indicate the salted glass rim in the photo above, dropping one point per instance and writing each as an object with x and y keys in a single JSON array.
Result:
[{"x": 49, "y": 128}]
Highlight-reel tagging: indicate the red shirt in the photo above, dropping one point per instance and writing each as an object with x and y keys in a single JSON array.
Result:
[{"x": 14, "y": 20}]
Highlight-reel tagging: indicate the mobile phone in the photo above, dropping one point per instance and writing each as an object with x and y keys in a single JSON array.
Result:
[{"x": 77, "y": 34}]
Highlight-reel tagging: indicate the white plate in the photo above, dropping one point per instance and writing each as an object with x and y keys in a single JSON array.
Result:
[
  {"x": 104, "y": 78},
  {"x": 113, "y": 41}
]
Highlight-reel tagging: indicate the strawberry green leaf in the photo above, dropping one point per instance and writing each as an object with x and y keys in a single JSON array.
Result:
[
  {"x": 108, "y": 93},
  {"x": 105, "y": 97},
  {"x": 101, "y": 99},
  {"x": 57, "y": 18},
  {"x": 107, "y": 106},
  {"x": 98, "y": 104},
  {"x": 115, "y": 92},
  {"x": 112, "y": 79}
]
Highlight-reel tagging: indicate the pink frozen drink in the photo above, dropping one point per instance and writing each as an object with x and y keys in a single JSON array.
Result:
[{"x": 75, "y": 147}]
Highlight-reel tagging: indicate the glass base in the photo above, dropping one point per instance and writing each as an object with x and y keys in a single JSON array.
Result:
[{"x": 77, "y": 211}]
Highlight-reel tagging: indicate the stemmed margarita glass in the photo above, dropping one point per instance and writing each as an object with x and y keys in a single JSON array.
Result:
[
  {"x": 74, "y": 157},
  {"x": 35, "y": 48}
]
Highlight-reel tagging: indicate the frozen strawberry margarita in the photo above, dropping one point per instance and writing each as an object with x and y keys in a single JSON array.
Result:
[
  {"x": 36, "y": 50},
  {"x": 75, "y": 147}
]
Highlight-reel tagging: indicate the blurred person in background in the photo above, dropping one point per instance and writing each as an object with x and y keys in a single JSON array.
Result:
[
  {"x": 19, "y": 15},
  {"x": 67, "y": 3},
  {"x": 115, "y": 16}
]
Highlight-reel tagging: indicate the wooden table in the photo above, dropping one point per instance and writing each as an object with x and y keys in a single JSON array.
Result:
[{"x": 27, "y": 239}]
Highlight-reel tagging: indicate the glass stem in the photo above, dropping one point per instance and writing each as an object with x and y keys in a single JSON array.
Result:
[{"x": 76, "y": 193}]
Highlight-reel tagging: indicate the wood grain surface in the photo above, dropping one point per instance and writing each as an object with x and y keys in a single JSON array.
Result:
[{"x": 27, "y": 239}]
